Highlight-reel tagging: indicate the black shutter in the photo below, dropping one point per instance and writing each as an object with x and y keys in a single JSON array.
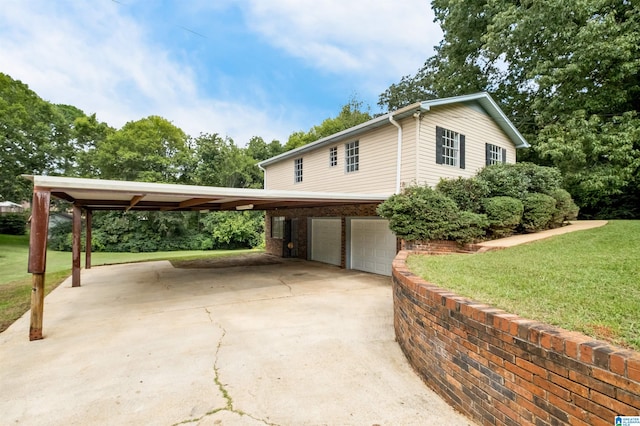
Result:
[
  {"x": 439, "y": 133},
  {"x": 487, "y": 154},
  {"x": 461, "y": 151},
  {"x": 504, "y": 155}
]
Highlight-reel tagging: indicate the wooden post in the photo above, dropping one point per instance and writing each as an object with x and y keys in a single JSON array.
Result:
[
  {"x": 75, "y": 246},
  {"x": 38, "y": 257},
  {"x": 87, "y": 244}
]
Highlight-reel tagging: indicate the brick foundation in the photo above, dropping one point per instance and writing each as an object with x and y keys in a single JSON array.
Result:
[{"x": 500, "y": 369}]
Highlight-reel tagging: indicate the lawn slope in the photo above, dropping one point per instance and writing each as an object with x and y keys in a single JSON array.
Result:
[{"x": 587, "y": 281}]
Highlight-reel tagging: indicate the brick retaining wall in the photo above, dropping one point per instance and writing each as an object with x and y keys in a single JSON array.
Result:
[{"x": 500, "y": 369}]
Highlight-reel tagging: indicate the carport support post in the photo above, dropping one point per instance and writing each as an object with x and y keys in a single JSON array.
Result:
[
  {"x": 87, "y": 244},
  {"x": 38, "y": 257},
  {"x": 75, "y": 248}
]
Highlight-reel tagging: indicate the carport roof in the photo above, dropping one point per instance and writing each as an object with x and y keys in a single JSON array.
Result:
[{"x": 97, "y": 194}]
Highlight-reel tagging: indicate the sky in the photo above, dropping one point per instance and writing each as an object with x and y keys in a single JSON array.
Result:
[{"x": 239, "y": 68}]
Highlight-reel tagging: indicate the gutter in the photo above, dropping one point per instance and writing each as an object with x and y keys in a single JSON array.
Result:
[{"x": 399, "y": 162}]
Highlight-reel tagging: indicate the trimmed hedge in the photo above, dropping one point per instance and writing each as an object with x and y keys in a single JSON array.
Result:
[
  {"x": 538, "y": 212},
  {"x": 468, "y": 193},
  {"x": 504, "y": 215}
]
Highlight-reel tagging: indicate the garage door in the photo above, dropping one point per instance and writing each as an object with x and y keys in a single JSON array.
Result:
[
  {"x": 373, "y": 246},
  {"x": 326, "y": 241}
]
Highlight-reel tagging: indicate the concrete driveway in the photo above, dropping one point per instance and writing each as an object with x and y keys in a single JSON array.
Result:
[{"x": 286, "y": 343}]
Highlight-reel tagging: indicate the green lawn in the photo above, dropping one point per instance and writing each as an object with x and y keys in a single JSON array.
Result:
[
  {"x": 15, "y": 281},
  {"x": 587, "y": 281}
]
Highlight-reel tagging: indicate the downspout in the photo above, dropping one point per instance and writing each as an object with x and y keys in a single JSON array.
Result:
[
  {"x": 264, "y": 175},
  {"x": 399, "y": 162},
  {"x": 417, "y": 116}
]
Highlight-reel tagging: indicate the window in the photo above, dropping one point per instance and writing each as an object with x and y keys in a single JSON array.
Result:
[
  {"x": 297, "y": 169},
  {"x": 333, "y": 156},
  {"x": 450, "y": 148},
  {"x": 352, "y": 156},
  {"x": 495, "y": 154},
  {"x": 277, "y": 227}
]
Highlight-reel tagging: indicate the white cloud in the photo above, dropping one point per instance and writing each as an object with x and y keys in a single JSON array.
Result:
[
  {"x": 378, "y": 39},
  {"x": 91, "y": 56},
  {"x": 95, "y": 56}
]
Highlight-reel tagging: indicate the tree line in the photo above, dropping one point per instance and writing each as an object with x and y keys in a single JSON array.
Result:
[
  {"x": 567, "y": 75},
  {"x": 41, "y": 138}
]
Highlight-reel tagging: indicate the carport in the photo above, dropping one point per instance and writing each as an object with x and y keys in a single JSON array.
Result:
[{"x": 89, "y": 195}]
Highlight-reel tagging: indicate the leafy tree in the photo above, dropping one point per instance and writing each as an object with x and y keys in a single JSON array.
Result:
[
  {"x": 558, "y": 68},
  {"x": 350, "y": 115},
  {"x": 34, "y": 139},
  {"x": 219, "y": 162},
  {"x": 151, "y": 149}
]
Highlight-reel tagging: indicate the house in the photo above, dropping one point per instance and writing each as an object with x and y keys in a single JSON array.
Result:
[
  {"x": 10, "y": 207},
  {"x": 418, "y": 144}
]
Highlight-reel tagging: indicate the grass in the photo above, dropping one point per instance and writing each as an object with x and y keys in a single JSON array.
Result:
[
  {"x": 587, "y": 281},
  {"x": 15, "y": 281}
]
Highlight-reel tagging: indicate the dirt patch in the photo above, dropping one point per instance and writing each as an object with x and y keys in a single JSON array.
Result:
[{"x": 249, "y": 259}]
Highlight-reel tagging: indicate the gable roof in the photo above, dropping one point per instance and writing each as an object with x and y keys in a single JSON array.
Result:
[{"x": 482, "y": 98}]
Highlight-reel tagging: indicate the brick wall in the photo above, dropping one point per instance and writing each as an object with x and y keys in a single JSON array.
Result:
[
  {"x": 500, "y": 369},
  {"x": 274, "y": 245}
]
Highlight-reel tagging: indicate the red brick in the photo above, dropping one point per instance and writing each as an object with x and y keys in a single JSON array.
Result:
[
  {"x": 534, "y": 409},
  {"x": 628, "y": 398},
  {"x": 569, "y": 408},
  {"x": 586, "y": 350},
  {"x": 531, "y": 367},
  {"x": 577, "y": 422},
  {"x": 519, "y": 371},
  {"x": 534, "y": 389},
  {"x": 617, "y": 362},
  {"x": 616, "y": 380},
  {"x": 552, "y": 388},
  {"x": 617, "y": 406},
  {"x": 569, "y": 385},
  {"x": 633, "y": 373},
  {"x": 593, "y": 408}
]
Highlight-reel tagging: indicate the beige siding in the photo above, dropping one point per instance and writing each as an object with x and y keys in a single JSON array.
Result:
[
  {"x": 478, "y": 129},
  {"x": 377, "y": 168},
  {"x": 378, "y": 155}
]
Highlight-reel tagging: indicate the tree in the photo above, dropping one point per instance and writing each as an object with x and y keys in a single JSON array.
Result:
[
  {"x": 34, "y": 139},
  {"x": 554, "y": 66},
  {"x": 219, "y": 162},
  {"x": 151, "y": 149},
  {"x": 350, "y": 115}
]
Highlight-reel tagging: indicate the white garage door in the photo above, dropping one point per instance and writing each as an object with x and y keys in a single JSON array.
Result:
[
  {"x": 373, "y": 246},
  {"x": 326, "y": 241}
]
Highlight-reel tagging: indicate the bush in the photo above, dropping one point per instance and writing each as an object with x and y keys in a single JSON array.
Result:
[
  {"x": 470, "y": 227},
  {"x": 504, "y": 215},
  {"x": 518, "y": 180},
  {"x": 13, "y": 223},
  {"x": 566, "y": 209},
  {"x": 466, "y": 192},
  {"x": 421, "y": 213},
  {"x": 538, "y": 212}
]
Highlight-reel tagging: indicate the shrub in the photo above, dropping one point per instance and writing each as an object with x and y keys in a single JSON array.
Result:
[
  {"x": 13, "y": 223},
  {"x": 538, "y": 212},
  {"x": 466, "y": 192},
  {"x": 421, "y": 213},
  {"x": 504, "y": 215},
  {"x": 566, "y": 209},
  {"x": 470, "y": 227},
  {"x": 518, "y": 180}
]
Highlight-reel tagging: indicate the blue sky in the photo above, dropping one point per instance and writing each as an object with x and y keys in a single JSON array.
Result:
[{"x": 240, "y": 68}]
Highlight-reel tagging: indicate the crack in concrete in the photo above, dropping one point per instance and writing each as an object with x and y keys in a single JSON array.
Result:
[
  {"x": 285, "y": 284},
  {"x": 221, "y": 387}
]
